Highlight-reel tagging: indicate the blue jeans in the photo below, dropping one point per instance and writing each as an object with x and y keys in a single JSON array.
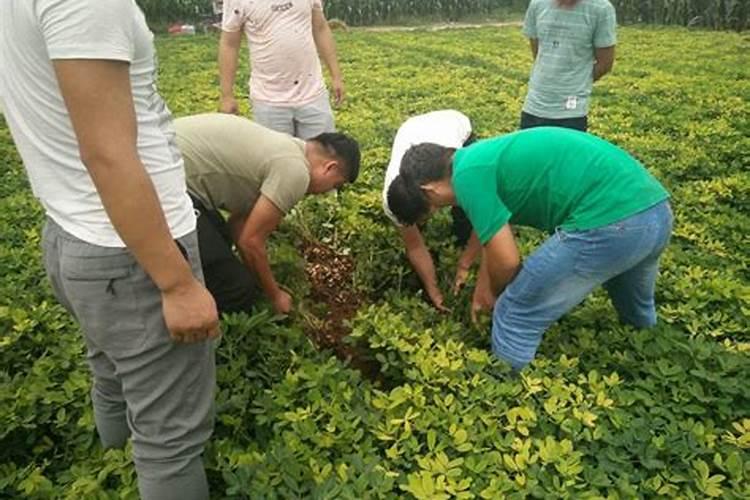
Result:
[{"x": 623, "y": 257}]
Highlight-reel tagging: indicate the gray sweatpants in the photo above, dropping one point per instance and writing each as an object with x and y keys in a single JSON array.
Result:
[
  {"x": 146, "y": 387},
  {"x": 304, "y": 122}
]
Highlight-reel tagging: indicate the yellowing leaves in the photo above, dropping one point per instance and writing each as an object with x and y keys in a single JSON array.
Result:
[
  {"x": 742, "y": 438},
  {"x": 586, "y": 417},
  {"x": 520, "y": 419},
  {"x": 708, "y": 484}
]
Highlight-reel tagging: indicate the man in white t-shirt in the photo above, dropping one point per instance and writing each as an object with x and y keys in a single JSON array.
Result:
[
  {"x": 451, "y": 129},
  {"x": 120, "y": 249},
  {"x": 284, "y": 37}
]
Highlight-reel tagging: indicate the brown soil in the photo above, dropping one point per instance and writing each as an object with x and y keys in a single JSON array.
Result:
[{"x": 330, "y": 277}]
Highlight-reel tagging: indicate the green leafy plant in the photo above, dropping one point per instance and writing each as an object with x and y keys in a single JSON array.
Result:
[{"x": 603, "y": 412}]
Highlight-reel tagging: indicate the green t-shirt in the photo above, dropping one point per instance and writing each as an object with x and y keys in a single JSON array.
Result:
[
  {"x": 550, "y": 177},
  {"x": 562, "y": 75}
]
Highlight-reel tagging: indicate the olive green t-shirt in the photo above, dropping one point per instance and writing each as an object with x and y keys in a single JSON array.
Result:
[
  {"x": 230, "y": 161},
  {"x": 548, "y": 178}
]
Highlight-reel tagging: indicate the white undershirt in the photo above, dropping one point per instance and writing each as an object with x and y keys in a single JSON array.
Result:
[{"x": 447, "y": 128}]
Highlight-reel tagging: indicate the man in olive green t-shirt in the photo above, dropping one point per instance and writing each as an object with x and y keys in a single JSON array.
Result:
[
  {"x": 256, "y": 175},
  {"x": 608, "y": 217}
]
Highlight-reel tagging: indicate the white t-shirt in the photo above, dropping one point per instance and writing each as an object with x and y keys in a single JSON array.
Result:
[
  {"x": 285, "y": 68},
  {"x": 447, "y": 128},
  {"x": 35, "y": 32}
]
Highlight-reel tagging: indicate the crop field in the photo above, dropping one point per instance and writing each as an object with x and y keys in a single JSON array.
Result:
[{"x": 365, "y": 391}]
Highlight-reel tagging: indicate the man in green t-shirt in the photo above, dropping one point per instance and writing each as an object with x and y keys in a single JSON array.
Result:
[
  {"x": 573, "y": 45},
  {"x": 256, "y": 175},
  {"x": 608, "y": 217}
]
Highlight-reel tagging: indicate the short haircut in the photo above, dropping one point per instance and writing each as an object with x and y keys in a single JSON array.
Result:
[
  {"x": 469, "y": 140},
  {"x": 343, "y": 148},
  {"x": 407, "y": 202},
  {"x": 423, "y": 163}
]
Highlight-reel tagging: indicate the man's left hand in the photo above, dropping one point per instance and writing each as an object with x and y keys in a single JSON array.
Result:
[{"x": 338, "y": 91}]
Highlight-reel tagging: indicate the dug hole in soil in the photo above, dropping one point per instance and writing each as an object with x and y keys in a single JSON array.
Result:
[{"x": 330, "y": 277}]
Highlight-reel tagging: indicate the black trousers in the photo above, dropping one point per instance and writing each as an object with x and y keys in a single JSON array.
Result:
[
  {"x": 531, "y": 121},
  {"x": 232, "y": 285}
]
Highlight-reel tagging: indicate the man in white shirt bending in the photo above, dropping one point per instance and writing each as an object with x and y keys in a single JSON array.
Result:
[{"x": 451, "y": 129}]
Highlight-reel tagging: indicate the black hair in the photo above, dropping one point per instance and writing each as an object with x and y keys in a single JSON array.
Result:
[
  {"x": 407, "y": 202},
  {"x": 470, "y": 140},
  {"x": 344, "y": 148},
  {"x": 423, "y": 163}
]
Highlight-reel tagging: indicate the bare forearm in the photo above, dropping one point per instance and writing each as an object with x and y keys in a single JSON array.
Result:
[
  {"x": 483, "y": 277},
  {"x": 601, "y": 69},
  {"x": 604, "y": 59},
  {"x": 327, "y": 50},
  {"x": 470, "y": 253},
  {"x": 256, "y": 259},
  {"x": 132, "y": 205},
  {"x": 421, "y": 261},
  {"x": 499, "y": 277},
  {"x": 228, "y": 55}
]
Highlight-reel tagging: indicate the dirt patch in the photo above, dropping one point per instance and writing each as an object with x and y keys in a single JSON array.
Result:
[{"x": 330, "y": 277}]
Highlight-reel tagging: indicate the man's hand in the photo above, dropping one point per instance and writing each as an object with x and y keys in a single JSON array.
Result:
[
  {"x": 338, "y": 91},
  {"x": 190, "y": 312},
  {"x": 421, "y": 260},
  {"x": 482, "y": 301},
  {"x": 462, "y": 274},
  {"x": 229, "y": 105},
  {"x": 437, "y": 300},
  {"x": 251, "y": 242},
  {"x": 468, "y": 256},
  {"x": 282, "y": 302}
]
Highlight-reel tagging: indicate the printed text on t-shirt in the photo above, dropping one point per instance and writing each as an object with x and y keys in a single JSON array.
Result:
[{"x": 281, "y": 7}]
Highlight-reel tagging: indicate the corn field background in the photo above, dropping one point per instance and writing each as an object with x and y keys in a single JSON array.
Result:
[
  {"x": 368, "y": 12},
  {"x": 716, "y": 14}
]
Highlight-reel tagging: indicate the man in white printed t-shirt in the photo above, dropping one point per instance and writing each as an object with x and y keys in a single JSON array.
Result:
[
  {"x": 287, "y": 91},
  {"x": 120, "y": 249},
  {"x": 451, "y": 129}
]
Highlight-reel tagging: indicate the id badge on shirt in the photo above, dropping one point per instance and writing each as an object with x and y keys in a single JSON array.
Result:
[{"x": 571, "y": 102}]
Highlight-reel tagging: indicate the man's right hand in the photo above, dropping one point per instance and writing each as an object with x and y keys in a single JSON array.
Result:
[
  {"x": 482, "y": 301},
  {"x": 282, "y": 302},
  {"x": 229, "y": 105},
  {"x": 190, "y": 312},
  {"x": 462, "y": 274},
  {"x": 437, "y": 300}
]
